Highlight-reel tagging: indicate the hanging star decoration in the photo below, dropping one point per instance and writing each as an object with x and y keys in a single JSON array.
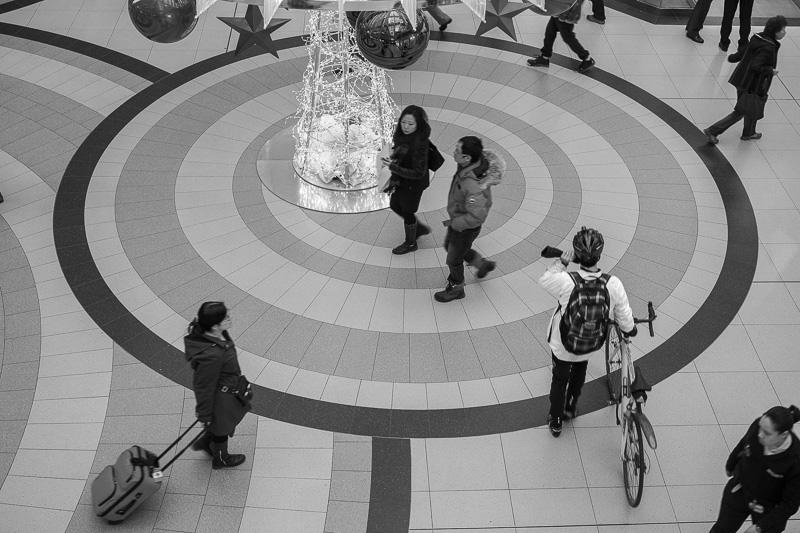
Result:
[
  {"x": 500, "y": 14},
  {"x": 252, "y": 32}
]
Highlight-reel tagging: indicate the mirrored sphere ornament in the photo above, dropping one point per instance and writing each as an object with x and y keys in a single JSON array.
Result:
[
  {"x": 387, "y": 39},
  {"x": 352, "y": 17},
  {"x": 163, "y": 21},
  {"x": 552, "y": 8}
]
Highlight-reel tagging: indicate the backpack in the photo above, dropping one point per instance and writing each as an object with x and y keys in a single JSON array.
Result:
[{"x": 583, "y": 321}]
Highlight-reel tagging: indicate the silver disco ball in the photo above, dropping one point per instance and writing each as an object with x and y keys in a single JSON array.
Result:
[
  {"x": 386, "y": 38},
  {"x": 553, "y": 8},
  {"x": 163, "y": 21}
]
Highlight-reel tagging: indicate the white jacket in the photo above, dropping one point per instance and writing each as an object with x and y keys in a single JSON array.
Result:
[{"x": 557, "y": 282}]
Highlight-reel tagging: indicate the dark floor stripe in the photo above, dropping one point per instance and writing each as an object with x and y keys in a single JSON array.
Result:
[
  {"x": 100, "y": 53},
  {"x": 390, "y": 488},
  {"x": 108, "y": 312},
  {"x": 16, "y": 4}
]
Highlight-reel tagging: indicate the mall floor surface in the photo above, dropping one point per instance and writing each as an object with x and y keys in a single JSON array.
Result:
[{"x": 129, "y": 172}]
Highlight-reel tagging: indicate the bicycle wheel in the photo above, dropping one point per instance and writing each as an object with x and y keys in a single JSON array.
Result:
[
  {"x": 614, "y": 362},
  {"x": 633, "y": 461}
]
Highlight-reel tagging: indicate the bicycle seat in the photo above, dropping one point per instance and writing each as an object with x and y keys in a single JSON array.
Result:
[{"x": 639, "y": 383}]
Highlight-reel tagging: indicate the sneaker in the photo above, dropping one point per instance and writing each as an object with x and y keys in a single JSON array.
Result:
[
  {"x": 539, "y": 61},
  {"x": 555, "y": 425},
  {"x": 585, "y": 65},
  {"x": 711, "y": 137},
  {"x": 486, "y": 267},
  {"x": 724, "y": 46},
  {"x": 735, "y": 58},
  {"x": 753, "y": 137},
  {"x": 451, "y": 292},
  {"x": 595, "y": 19}
]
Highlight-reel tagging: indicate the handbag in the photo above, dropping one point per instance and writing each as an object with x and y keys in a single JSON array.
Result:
[
  {"x": 751, "y": 105},
  {"x": 243, "y": 391},
  {"x": 435, "y": 157}
]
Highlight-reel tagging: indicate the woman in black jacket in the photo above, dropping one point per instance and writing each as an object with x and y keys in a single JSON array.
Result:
[
  {"x": 752, "y": 79},
  {"x": 408, "y": 164},
  {"x": 212, "y": 355},
  {"x": 765, "y": 470}
]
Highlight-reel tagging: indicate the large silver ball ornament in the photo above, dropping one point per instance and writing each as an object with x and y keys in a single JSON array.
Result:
[
  {"x": 553, "y": 8},
  {"x": 387, "y": 39},
  {"x": 352, "y": 17},
  {"x": 163, "y": 21}
]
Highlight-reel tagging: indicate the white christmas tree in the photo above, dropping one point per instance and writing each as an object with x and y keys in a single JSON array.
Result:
[{"x": 345, "y": 112}]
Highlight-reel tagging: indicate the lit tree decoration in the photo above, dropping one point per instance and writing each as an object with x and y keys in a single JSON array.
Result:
[{"x": 345, "y": 113}]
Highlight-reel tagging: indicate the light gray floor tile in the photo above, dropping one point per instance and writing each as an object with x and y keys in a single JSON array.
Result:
[{"x": 179, "y": 512}]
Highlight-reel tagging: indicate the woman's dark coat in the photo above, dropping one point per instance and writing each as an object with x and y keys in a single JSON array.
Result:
[
  {"x": 215, "y": 365},
  {"x": 409, "y": 166},
  {"x": 755, "y": 71}
]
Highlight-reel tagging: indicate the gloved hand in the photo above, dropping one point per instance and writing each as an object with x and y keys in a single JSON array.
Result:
[
  {"x": 633, "y": 332},
  {"x": 391, "y": 186}
]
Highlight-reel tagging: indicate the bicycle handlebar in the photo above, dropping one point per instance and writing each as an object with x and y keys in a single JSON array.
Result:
[
  {"x": 651, "y": 316},
  {"x": 552, "y": 251}
]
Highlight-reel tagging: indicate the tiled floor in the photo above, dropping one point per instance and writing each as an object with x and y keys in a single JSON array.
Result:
[{"x": 131, "y": 196}]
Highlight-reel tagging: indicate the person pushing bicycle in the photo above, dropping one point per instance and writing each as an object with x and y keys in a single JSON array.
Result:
[{"x": 586, "y": 299}]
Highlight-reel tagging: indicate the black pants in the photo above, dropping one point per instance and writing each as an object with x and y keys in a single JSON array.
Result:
[
  {"x": 721, "y": 125},
  {"x": 405, "y": 202},
  {"x": 458, "y": 245},
  {"x": 745, "y": 14},
  {"x": 438, "y": 15},
  {"x": 599, "y": 9},
  {"x": 554, "y": 27},
  {"x": 568, "y": 380},
  {"x": 733, "y": 510},
  {"x": 698, "y": 16}
]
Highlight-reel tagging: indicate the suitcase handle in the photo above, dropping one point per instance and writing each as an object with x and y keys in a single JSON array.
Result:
[{"x": 177, "y": 455}]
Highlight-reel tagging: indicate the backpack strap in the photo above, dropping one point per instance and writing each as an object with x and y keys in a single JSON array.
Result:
[{"x": 575, "y": 277}]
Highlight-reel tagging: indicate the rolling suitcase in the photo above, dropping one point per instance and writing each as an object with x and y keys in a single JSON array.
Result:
[{"x": 122, "y": 487}]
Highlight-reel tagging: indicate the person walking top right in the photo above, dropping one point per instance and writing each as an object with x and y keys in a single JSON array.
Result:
[
  {"x": 752, "y": 78},
  {"x": 565, "y": 25},
  {"x": 765, "y": 475},
  {"x": 601, "y": 296}
]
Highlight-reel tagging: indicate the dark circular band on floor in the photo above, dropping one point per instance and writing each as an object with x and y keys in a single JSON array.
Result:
[
  {"x": 106, "y": 55},
  {"x": 122, "y": 327}
]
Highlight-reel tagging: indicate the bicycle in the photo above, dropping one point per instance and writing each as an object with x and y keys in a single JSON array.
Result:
[{"x": 628, "y": 389}]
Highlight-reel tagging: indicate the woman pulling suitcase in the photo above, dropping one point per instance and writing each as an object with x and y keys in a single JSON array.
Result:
[{"x": 217, "y": 382}]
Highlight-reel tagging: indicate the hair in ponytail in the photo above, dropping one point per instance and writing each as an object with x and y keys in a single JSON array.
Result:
[
  {"x": 209, "y": 315},
  {"x": 783, "y": 418}
]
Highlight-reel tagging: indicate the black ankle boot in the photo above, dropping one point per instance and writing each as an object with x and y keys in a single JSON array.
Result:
[
  {"x": 221, "y": 457},
  {"x": 451, "y": 292},
  {"x": 410, "y": 244}
]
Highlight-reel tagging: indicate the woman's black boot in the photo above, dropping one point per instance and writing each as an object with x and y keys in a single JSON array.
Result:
[
  {"x": 410, "y": 244},
  {"x": 221, "y": 457}
]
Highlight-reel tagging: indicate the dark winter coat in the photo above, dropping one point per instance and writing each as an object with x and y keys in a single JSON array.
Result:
[
  {"x": 755, "y": 71},
  {"x": 409, "y": 166},
  {"x": 215, "y": 365},
  {"x": 470, "y": 196},
  {"x": 772, "y": 480}
]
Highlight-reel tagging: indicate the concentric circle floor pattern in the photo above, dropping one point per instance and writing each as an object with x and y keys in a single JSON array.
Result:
[
  {"x": 338, "y": 333},
  {"x": 196, "y": 224}
]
